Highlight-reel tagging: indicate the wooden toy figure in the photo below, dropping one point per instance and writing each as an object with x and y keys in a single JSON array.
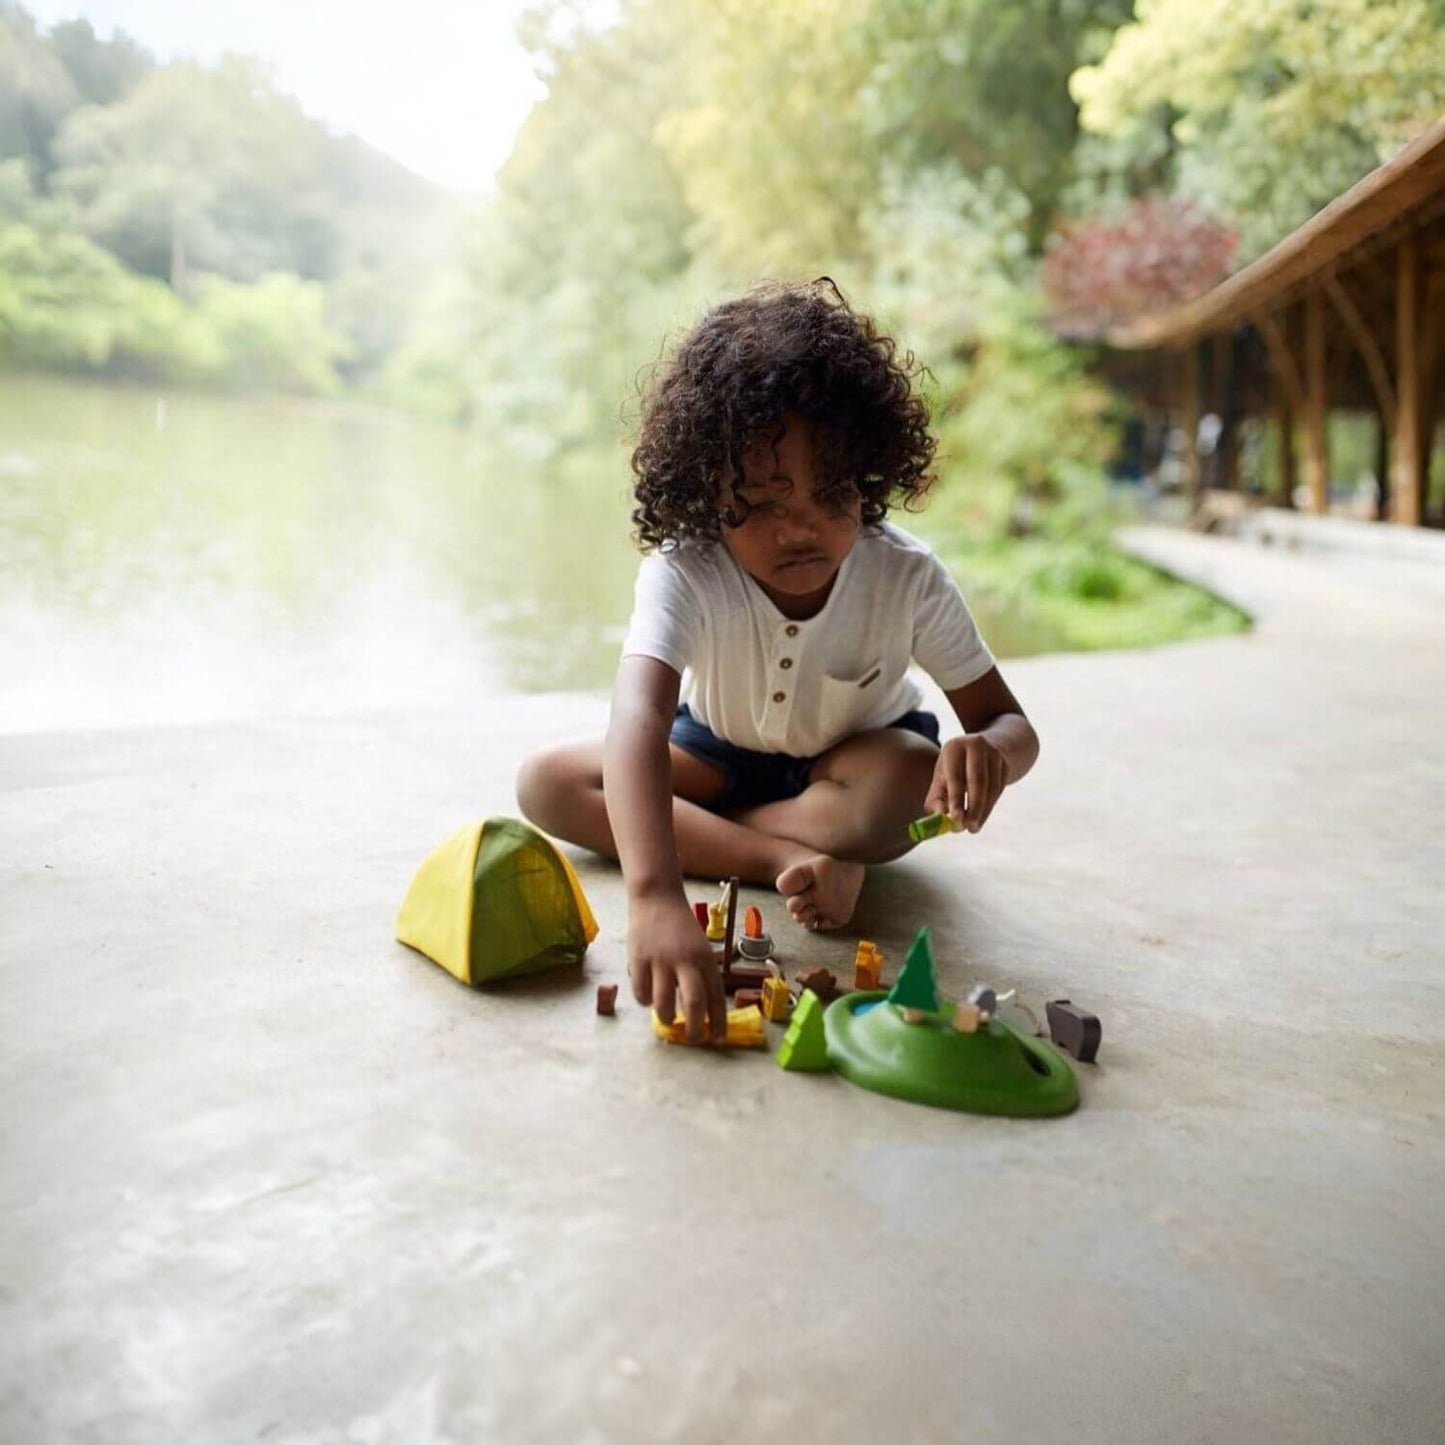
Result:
[
  {"x": 716, "y": 922},
  {"x": 777, "y": 1000},
  {"x": 867, "y": 966}
]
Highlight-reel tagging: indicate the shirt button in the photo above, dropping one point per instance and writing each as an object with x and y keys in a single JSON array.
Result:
[
  {"x": 786, "y": 662},
  {"x": 791, "y": 629},
  {"x": 780, "y": 696}
]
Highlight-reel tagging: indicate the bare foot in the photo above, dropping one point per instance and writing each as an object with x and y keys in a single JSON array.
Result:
[{"x": 821, "y": 891}]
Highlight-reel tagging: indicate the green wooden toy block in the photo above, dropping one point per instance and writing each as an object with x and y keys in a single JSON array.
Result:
[
  {"x": 935, "y": 825},
  {"x": 805, "y": 1045}
]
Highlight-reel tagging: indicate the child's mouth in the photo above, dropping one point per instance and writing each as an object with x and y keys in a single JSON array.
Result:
[{"x": 810, "y": 559}]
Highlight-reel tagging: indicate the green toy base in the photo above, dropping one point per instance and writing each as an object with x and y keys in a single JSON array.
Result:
[{"x": 995, "y": 1071}]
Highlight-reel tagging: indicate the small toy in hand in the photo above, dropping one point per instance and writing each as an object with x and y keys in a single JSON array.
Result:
[{"x": 935, "y": 825}]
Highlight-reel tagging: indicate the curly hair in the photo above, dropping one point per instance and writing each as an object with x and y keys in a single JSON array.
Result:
[{"x": 778, "y": 348}]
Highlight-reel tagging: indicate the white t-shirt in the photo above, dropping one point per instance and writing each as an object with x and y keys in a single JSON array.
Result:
[{"x": 764, "y": 681}]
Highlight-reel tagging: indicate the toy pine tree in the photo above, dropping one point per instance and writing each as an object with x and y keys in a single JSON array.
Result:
[
  {"x": 915, "y": 987},
  {"x": 805, "y": 1045}
]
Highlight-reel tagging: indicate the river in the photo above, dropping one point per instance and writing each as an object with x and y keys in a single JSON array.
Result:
[{"x": 180, "y": 557}]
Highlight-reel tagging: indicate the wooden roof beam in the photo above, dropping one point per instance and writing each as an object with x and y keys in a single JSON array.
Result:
[
  {"x": 1366, "y": 345},
  {"x": 1408, "y": 191},
  {"x": 1282, "y": 359}
]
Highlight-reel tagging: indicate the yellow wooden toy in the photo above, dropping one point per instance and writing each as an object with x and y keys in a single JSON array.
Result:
[
  {"x": 867, "y": 966},
  {"x": 745, "y": 1030},
  {"x": 717, "y": 927},
  {"x": 777, "y": 1000}
]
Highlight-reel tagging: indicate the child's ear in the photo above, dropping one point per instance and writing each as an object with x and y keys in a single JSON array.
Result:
[
  {"x": 734, "y": 508},
  {"x": 736, "y": 512}
]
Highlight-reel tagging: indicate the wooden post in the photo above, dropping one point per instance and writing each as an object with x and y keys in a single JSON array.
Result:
[
  {"x": 1382, "y": 465},
  {"x": 1227, "y": 471},
  {"x": 1284, "y": 419},
  {"x": 1216, "y": 384},
  {"x": 1406, "y": 481},
  {"x": 1190, "y": 419},
  {"x": 1432, "y": 380},
  {"x": 1317, "y": 449}
]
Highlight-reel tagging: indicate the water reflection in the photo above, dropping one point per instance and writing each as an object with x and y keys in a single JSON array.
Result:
[{"x": 187, "y": 557}]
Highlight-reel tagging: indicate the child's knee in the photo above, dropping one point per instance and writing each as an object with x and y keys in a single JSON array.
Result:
[
  {"x": 547, "y": 784},
  {"x": 870, "y": 825}
]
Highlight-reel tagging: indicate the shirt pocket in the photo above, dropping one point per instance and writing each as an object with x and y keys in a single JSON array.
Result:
[{"x": 849, "y": 704}]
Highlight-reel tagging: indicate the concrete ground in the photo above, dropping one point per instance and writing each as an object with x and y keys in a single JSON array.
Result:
[{"x": 269, "y": 1176}]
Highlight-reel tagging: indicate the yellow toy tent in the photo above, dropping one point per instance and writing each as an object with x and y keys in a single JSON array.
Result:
[{"x": 494, "y": 901}]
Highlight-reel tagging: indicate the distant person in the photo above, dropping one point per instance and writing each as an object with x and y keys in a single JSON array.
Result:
[{"x": 784, "y": 608}]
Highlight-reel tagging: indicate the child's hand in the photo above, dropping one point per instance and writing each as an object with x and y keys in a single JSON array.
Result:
[
  {"x": 967, "y": 780},
  {"x": 671, "y": 962}
]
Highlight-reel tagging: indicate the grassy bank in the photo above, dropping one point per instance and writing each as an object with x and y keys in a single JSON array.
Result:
[{"x": 1085, "y": 596}]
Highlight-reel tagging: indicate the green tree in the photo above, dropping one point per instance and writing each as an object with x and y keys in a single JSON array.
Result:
[
  {"x": 569, "y": 274},
  {"x": 204, "y": 168},
  {"x": 66, "y": 303},
  {"x": 36, "y": 90},
  {"x": 272, "y": 335},
  {"x": 766, "y": 132},
  {"x": 983, "y": 87},
  {"x": 1273, "y": 108}
]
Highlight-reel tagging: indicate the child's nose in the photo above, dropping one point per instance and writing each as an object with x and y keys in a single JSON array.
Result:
[{"x": 799, "y": 521}]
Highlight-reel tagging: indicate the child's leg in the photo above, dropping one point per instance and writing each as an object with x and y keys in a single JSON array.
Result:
[
  {"x": 861, "y": 797},
  {"x": 560, "y": 790}
]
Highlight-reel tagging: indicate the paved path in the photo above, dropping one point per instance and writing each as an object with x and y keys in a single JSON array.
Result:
[{"x": 267, "y": 1176}]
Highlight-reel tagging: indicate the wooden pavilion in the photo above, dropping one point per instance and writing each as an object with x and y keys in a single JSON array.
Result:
[{"x": 1346, "y": 313}]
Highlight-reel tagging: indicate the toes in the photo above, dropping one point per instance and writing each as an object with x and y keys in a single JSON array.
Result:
[
  {"x": 794, "y": 880},
  {"x": 803, "y": 910}
]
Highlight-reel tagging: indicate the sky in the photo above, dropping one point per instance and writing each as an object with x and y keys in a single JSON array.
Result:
[{"x": 441, "y": 85}]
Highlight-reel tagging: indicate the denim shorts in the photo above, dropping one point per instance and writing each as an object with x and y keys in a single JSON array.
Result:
[{"x": 752, "y": 778}]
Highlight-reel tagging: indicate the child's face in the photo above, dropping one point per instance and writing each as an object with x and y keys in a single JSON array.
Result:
[{"x": 791, "y": 543}]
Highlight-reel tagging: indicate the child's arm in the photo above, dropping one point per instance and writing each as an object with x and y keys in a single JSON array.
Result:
[
  {"x": 998, "y": 747},
  {"x": 669, "y": 958}
]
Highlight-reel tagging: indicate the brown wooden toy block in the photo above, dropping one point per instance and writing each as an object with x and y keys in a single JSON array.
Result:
[
  {"x": 745, "y": 975},
  {"x": 821, "y": 981},
  {"x": 607, "y": 998},
  {"x": 1075, "y": 1030},
  {"x": 747, "y": 998}
]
